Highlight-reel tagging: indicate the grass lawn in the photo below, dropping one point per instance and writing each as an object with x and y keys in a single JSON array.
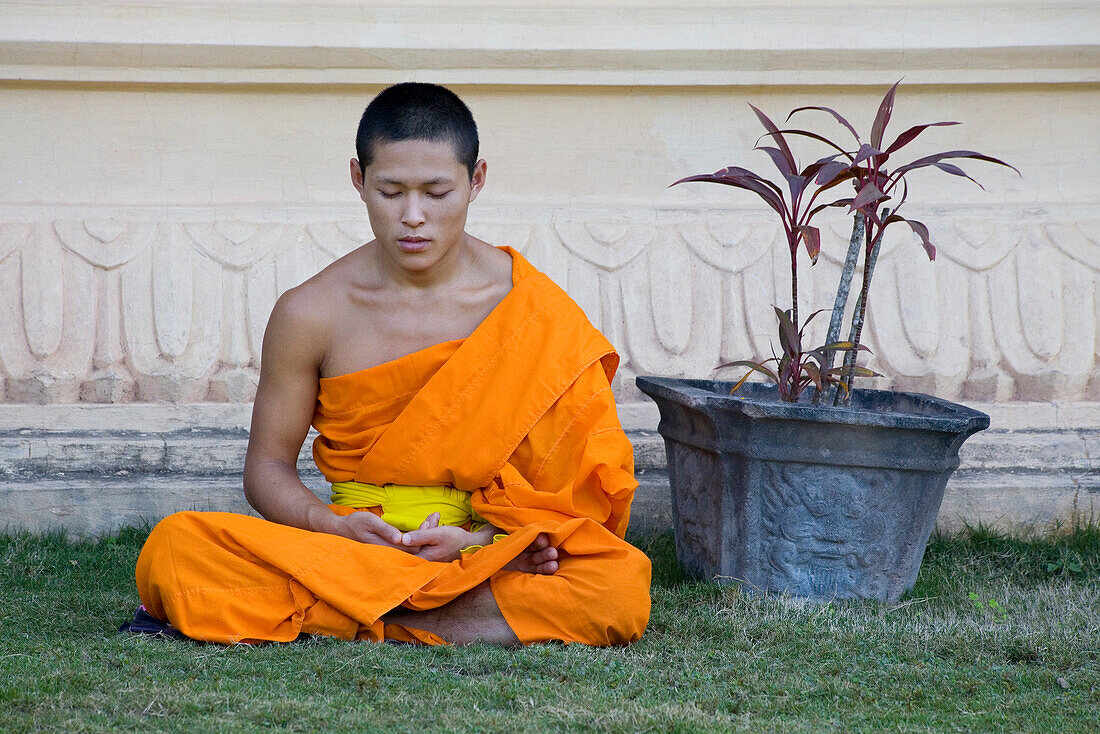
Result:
[{"x": 1000, "y": 634}]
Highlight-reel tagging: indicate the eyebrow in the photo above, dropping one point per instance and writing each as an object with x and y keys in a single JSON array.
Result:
[{"x": 431, "y": 182}]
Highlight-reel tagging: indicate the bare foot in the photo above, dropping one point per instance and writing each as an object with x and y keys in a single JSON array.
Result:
[
  {"x": 540, "y": 557},
  {"x": 471, "y": 617}
]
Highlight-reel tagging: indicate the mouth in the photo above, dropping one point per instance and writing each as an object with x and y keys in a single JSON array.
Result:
[{"x": 413, "y": 244}]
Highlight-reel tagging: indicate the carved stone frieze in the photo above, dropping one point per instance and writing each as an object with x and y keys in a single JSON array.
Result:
[{"x": 123, "y": 309}]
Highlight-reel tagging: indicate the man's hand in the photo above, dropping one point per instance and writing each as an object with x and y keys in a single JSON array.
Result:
[
  {"x": 366, "y": 527},
  {"x": 435, "y": 542}
]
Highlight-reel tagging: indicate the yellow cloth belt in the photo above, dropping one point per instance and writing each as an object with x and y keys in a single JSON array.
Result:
[{"x": 405, "y": 506}]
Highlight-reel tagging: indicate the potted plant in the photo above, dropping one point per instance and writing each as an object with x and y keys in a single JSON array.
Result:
[{"x": 808, "y": 486}]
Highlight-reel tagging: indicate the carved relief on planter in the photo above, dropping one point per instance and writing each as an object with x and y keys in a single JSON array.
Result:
[
  {"x": 699, "y": 537},
  {"x": 828, "y": 530},
  {"x": 114, "y": 310}
]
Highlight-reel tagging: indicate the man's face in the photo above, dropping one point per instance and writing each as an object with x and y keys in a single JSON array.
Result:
[{"x": 417, "y": 194}]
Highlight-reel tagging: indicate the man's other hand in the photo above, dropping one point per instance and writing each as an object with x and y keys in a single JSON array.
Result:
[
  {"x": 435, "y": 542},
  {"x": 366, "y": 527},
  {"x": 443, "y": 543}
]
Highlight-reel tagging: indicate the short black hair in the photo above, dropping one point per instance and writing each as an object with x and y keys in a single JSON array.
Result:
[{"x": 417, "y": 111}]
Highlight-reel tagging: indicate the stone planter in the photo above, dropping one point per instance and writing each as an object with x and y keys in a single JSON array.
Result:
[{"x": 817, "y": 502}]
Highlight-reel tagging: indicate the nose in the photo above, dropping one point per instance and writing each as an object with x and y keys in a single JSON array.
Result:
[{"x": 413, "y": 213}]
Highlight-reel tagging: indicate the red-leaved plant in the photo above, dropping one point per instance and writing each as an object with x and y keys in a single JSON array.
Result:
[
  {"x": 879, "y": 193},
  {"x": 797, "y": 369}
]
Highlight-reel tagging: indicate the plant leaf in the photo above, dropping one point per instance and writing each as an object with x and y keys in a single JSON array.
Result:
[
  {"x": 909, "y": 135},
  {"x": 784, "y": 363},
  {"x": 821, "y": 353},
  {"x": 935, "y": 158},
  {"x": 867, "y": 196},
  {"x": 788, "y": 335},
  {"x": 857, "y": 371},
  {"x": 828, "y": 172},
  {"x": 796, "y": 183},
  {"x": 811, "y": 170},
  {"x": 866, "y": 151},
  {"x": 814, "y": 136},
  {"x": 839, "y": 118},
  {"x": 814, "y": 374},
  {"x": 849, "y": 175},
  {"x": 753, "y": 366},
  {"x": 873, "y": 218},
  {"x": 883, "y": 117},
  {"x": 778, "y": 136},
  {"x": 956, "y": 171},
  {"x": 811, "y": 236},
  {"x": 740, "y": 382},
  {"x": 838, "y": 202},
  {"x": 846, "y": 346},
  {"x": 811, "y": 317},
  {"x": 925, "y": 240},
  {"x": 919, "y": 229},
  {"x": 904, "y": 193},
  {"x": 743, "y": 179},
  {"x": 788, "y": 387},
  {"x": 779, "y": 160},
  {"x": 732, "y": 173}
]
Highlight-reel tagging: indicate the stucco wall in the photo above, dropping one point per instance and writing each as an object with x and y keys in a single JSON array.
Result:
[{"x": 168, "y": 168}]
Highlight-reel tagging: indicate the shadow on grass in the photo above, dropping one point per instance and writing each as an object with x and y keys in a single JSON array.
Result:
[{"x": 660, "y": 546}]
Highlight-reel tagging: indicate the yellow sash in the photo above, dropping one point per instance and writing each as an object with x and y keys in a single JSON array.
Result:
[{"x": 405, "y": 506}]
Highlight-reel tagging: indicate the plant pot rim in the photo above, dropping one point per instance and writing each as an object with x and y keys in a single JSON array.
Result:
[{"x": 870, "y": 407}]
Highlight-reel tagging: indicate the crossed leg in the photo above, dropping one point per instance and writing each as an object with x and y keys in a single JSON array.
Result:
[{"x": 475, "y": 616}]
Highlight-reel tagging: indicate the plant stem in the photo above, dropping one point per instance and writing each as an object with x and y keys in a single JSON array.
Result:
[
  {"x": 794, "y": 288},
  {"x": 860, "y": 312},
  {"x": 836, "y": 319}
]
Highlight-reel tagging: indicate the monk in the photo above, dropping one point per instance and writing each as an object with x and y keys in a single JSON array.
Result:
[{"x": 481, "y": 481}]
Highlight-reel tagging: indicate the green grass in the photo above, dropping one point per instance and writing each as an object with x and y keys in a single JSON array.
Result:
[{"x": 981, "y": 644}]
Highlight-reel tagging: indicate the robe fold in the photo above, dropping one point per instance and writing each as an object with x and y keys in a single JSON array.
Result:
[{"x": 520, "y": 415}]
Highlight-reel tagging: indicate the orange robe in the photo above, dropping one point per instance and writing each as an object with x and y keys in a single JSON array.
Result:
[{"x": 520, "y": 415}]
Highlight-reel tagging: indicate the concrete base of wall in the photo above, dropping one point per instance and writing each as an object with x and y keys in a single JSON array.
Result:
[{"x": 89, "y": 469}]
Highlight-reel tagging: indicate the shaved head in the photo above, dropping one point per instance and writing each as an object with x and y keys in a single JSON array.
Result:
[{"x": 417, "y": 111}]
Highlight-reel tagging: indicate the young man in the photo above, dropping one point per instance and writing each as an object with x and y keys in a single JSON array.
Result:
[{"x": 481, "y": 480}]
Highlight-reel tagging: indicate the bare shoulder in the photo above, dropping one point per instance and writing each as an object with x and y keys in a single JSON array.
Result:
[
  {"x": 304, "y": 308},
  {"x": 317, "y": 300},
  {"x": 497, "y": 267},
  {"x": 304, "y": 316},
  {"x": 500, "y": 260}
]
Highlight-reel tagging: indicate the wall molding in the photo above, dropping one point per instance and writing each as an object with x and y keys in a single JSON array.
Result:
[
  {"x": 124, "y": 308},
  {"x": 575, "y": 43}
]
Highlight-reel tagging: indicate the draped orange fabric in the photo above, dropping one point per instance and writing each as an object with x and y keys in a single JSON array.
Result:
[{"x": 520, "y": 415}]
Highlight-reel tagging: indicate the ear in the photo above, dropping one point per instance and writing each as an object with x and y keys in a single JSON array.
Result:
[
  {"x": 477, "y": 181},
  {"x": 357, "y": 179}
]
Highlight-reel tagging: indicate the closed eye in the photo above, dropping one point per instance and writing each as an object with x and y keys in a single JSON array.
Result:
[{"x": 439, "y": 195}]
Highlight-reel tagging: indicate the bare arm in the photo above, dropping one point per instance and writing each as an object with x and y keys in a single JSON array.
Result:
[{"x": 294, "y": 345}]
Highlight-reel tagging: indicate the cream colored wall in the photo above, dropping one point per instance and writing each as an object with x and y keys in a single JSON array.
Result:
[{"x": 170, "y": 168}]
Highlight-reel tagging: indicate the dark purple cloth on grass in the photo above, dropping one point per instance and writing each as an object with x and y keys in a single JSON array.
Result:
[{"x": 144, "y": 623}]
